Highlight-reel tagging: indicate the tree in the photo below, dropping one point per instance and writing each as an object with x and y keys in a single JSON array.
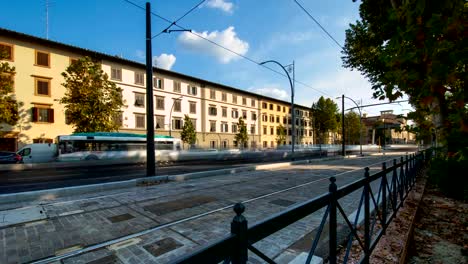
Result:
[
  {"x": 91, "y": 99},
  {"x": 8, "y": 105},
  {"x": 417, "y": 48},
  {"x": 325, "y": 117},
  {"x": 352, "y": 127},
  {"x": 241, "y": 137},
  {"x": 188, "y": 134},
  {"x": 280, "y": 134}
]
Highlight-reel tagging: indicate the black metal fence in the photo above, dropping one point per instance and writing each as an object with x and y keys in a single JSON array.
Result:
[{"x": 378, "y": 212}]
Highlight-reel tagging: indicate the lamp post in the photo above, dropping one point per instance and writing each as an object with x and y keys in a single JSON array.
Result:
[
  {"x": 360, "y": 122},
  {"x": 150, "y": 154},
  {"x": 293, "y": 136},
  {"x": 170, "y": 114}
]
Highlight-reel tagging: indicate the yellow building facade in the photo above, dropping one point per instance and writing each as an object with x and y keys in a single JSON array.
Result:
[{"x": 213, "y": 108}]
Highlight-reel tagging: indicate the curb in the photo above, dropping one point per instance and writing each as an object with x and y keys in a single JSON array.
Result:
[{"x": 52, "y": 194}]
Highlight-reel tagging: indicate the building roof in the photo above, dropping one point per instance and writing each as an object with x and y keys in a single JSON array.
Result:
[{"x": 103, "y": 56}]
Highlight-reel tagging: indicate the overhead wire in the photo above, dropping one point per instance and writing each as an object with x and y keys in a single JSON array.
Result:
[{"x": 228, "y": 49}]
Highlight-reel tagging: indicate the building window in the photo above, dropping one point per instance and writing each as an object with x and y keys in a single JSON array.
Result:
[
  {"x": 177, "y": 105},
  {"x": 212, "y": 110},
  {"x": 43, "y": 140},
  {"x": 42, "y": 58},
  {"x": 285, "y": 121},
  {"x": 139, "y": 100},
  {"x": 224, "y": 127},
  {"x": 176, "y": 87},
  {"x": 272, "y": 119},
  {"x": 139, "y": 121},
  {"x": 213, "y": 144},
  {"x": 194, "y": 123},
  {"x": 244, "y": 114},
  {"x": 159, "y": 122},
  {"x": 284, "y": 109},
  {"x": 177, "y": 123},
  {"x": 271, "y": 106},
  {"x": 159, "y": 102},
  {"x": 224, "y": 144},
  {"x": 244, "y": 101},
  {"x": 264, "y": 105},
  {"x": 277, "y": 119},
  {"x": 234, "y": 113},
  {"x": 252, "y": 103},
  {"x": 43, "y": 114},
  {"x": 158, "y": 83},
  {"x": 252, "y": 129},
  {"x": 193, "y": 107},
  {"x": 192, "y": 90},
  {"x": 212, "y": 126},
  {"x": 253, "y": 116},
  {"x": 116, "y": 74},
  {"x": 234, "y": 99},
  {"x": 272, "y": 130},
  {"x": 234, "y": 127},
  {"x": 224, "y": 111},
  {"x": 139, "y": 78},
  {"x": 278, "y": 108},
  {"x": 264, "y": 118},
  {"x": 7, "y": 49},
  {"x": 265, "y": 130},
  {"x": 224, "y": 97},
  {"x": 212, "y": 94},
  {"x": 42, "y": 86}
]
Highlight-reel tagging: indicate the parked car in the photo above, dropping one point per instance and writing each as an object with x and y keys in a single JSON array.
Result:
[
  {"x": 8, "y": 157},
  {"x": 38, "y": 153}
]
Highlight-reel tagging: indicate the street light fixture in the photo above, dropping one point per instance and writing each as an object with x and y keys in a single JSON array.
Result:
[
  {"x": 360, "y": 121},
  {"x": 293, "y": 136},
  {"x": 170, "y": 114}
]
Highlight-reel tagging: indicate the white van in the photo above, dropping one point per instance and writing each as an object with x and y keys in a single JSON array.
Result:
[{"x": 38, "y": 152}]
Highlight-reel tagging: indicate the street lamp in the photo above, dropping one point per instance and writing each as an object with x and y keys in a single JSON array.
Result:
[
  {"x": 170, "y": 114},
  {"x": 360, "y": 121},
  {"x": 293, "y": 136}
]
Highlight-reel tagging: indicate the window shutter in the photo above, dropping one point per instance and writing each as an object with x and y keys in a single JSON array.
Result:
[
  {"x": 34, "y": 114},
  {"x": 51, "y": 115}
]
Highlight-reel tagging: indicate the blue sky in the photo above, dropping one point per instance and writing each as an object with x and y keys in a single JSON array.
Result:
[{"x": 259, "y": 30}]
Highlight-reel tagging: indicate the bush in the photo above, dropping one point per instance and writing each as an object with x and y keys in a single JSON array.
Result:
[{"x": 449, "y": 175}]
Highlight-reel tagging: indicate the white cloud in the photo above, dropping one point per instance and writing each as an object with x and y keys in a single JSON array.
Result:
[
  {"x": 220, "y": 4},
  {"x": 271, "y": 91},
  {"x": 226, "y": 38},
  {"x": 164, "y": 61}
]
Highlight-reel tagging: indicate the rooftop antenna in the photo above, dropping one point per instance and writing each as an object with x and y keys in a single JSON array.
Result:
[{"x": 47, "y": 19}]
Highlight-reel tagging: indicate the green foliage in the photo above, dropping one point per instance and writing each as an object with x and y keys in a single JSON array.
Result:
[
  {"x": 8, "y": 105},
  {"x": 325, "y": 117},
  {"x": 241, "y": 137},
  {"x": 449, "y": 175},
  {"x": 281, "y": 134},
  {"x": 352, "y": 127},
  {"x": 188, "y": 134},
  {"x": 90, "y": 99},
  {"x": 416, "y": 48}
]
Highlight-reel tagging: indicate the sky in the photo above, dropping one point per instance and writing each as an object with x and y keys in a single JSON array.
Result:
[{"x": 228, "y": 39}]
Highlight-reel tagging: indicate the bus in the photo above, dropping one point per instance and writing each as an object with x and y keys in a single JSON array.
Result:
[{"x": 111, "y": 145}]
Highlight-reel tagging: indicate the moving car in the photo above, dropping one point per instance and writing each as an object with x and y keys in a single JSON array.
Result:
[
  {"x": 8, "y": 157},
  {"x": 38, "y": 153}
]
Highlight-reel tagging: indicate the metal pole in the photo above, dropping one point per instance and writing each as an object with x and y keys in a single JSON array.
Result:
[
  {"x": 293, "y": 136},
  {"x": 293, "y": 114},
  {"x": 170, "y": 119},
  {"x": 150, "y": 155},
  {"x": 342, "y": 127}
]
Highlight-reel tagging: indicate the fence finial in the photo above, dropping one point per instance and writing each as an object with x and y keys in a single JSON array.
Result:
[{"x": 332, "y": 187}]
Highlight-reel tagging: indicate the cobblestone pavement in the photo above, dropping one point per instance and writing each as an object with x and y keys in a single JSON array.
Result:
[{"x": 148, "y": 221}]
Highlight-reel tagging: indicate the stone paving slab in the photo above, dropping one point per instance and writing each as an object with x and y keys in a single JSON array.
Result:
[{"x": 91, "y": 219}]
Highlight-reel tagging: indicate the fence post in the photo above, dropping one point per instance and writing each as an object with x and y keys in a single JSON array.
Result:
[
  {"x": 333, "y": 225},
  {"x": 403, "y": 176},
  {"x": 395, "y": 186},
  {"x": 239, "y": 228},
  {"x": 367, "y": 235},
  {"x": 384, "y": 196}
]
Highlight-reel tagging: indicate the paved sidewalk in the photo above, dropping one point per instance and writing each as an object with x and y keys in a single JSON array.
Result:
[{"x": 146, "y": 224}]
